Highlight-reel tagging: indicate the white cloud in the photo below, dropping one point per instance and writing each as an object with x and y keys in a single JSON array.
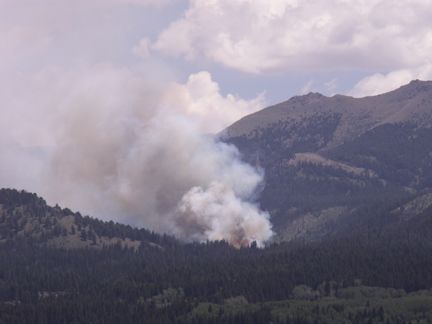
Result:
[
  {"x": 200, "y": 99},
  {"x": 271, "y": 35},
  {"x": 379, "y": 83}
]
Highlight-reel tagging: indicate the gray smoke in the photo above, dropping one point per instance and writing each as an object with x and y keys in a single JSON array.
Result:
[{"x": 121, "y": 147}]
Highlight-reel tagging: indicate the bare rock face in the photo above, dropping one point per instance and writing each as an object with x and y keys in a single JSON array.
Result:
[{"x": 340, "y": 153}]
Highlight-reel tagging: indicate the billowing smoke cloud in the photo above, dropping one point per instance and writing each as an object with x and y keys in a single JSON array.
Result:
[
  {"x": 217, "y": 213},
  {"x": 119, "y": 146},
  {"x": 87, "y": 126}
]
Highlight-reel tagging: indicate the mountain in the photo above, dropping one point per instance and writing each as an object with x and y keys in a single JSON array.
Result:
[
  {"x": 57, "y": 266},
  {"x": 348, "y": 185},
  {"x": 26, "y": 217},
  {"x": 334, "y": 165}
]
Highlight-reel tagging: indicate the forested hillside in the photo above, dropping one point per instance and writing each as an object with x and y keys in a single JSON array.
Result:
[
  {"x": 168, "y": 281},
  {"x": 27, "y": 217}
]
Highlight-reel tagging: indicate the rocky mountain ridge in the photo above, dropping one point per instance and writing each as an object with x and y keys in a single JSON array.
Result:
[
  {"x": 328, "y": 160},
  {"x": 409, "y": 103}
]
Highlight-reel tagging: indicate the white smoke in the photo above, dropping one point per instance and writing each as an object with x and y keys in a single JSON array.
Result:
[
  {"x": 121, "y": 147},
  {"x": 219, "y": 214}
]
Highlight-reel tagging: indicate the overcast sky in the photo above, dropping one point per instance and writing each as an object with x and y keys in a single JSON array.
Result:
[{"x": 211, "y": 60}]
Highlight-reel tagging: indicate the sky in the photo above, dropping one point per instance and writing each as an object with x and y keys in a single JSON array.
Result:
[
  {"x": 279, "y": 48},
  {"x": 80, "y": 79}
]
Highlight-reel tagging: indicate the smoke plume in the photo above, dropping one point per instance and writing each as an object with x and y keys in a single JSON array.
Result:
[
  {"x": 118, "y": 146},
  {"x": 217, "y": 213}
]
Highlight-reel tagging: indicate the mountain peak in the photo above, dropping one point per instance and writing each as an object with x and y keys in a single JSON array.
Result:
[
  {"x": 418, "y": 82},
  {"x": 312, "y": 95},
  {"x": 308, "y": 98},
  {"x": 416, "y": 86}
]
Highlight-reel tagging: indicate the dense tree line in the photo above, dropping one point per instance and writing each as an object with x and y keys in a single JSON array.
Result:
[
  {"x": 166, "y": 281},
  {"x": 73, "y": 285}
]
